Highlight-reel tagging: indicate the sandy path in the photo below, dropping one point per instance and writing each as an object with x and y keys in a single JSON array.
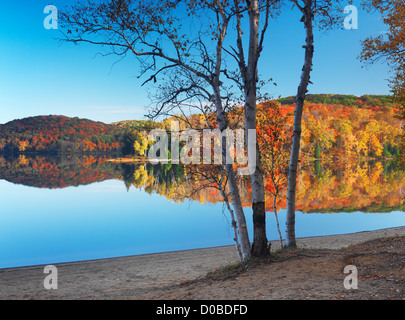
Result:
[{"x": 120, "y": 278}]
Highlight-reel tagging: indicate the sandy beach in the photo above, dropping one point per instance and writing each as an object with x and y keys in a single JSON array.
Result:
[{"x": 159, "y": 275}]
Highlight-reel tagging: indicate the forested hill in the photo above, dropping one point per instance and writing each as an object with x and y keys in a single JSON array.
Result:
[
  {"x": 58, "y": 134},
  {"x": 139, "y": 125},
  {"x": 333, "y": 125},
  {"x": 346, "y": 126},
  {"x": 371, "y": 101}
]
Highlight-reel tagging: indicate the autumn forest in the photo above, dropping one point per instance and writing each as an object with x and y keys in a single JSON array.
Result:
[
  {"x": 334, "y": 126},
  {"x": 139, "y": 140},
  {"x": 348, "y": 155}
]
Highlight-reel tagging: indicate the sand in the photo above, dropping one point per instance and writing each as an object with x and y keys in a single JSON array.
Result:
[{"x": 163, "y": 275}]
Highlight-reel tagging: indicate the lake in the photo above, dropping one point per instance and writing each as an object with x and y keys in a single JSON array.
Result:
[{"x": 79, "y": 208}]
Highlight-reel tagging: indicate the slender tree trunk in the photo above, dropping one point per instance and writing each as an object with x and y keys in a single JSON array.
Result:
[
  {"x": 296, "y": 140},
  {"x": 277, "y": 223},
  {"x": 234, "y": 226},
  {"x": 260, "y": 244},
  {"x": 239, "y": 214},
  {"x": 249, "y": 83},
  {"x": 234, "y": 190},
  {"x": 222, "y": 123},
  {"x": 231, "y": 212},
  {"x": 236, "y": 203}
]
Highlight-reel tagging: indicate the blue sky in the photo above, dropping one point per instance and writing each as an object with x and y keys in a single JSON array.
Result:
[{"x": 40, "y": 76}]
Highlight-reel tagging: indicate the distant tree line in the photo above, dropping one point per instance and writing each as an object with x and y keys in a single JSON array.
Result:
[{"x": 345, "y": 100}]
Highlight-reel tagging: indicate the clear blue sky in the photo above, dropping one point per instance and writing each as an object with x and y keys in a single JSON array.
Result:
[{"x": 39, "y": 76}]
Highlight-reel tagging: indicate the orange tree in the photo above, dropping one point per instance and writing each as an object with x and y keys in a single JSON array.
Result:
[
  {"x": 272, "y": 137},
  {"x": 389, "y": 46}
]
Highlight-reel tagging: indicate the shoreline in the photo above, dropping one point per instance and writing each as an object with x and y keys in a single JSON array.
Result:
[
  {"x": 131, "y": 276},
  {"x": 334, "y": 241}
]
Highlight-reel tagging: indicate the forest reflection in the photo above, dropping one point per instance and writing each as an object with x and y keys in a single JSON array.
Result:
[{"x": 324, "y": 187}]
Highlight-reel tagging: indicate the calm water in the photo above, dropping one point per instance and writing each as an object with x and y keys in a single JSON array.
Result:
[{"x": 69, "y": 210}]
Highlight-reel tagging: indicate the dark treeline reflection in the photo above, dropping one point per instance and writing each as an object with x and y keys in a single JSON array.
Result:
[
  {"x": 57, "y": 172},
  {"x": 368, "y": 186}
]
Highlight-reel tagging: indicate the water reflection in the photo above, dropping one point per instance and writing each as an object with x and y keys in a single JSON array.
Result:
[
  {"x": 78, "y": 208},
  {"x": 327, "y": 187}
]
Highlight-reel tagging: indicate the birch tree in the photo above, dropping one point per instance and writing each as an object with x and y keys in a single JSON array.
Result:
[
  {"x": 246, "y": 78},
  {"x": 248, "y": 69},
  {"x": 183, "y": 43},
  {"x": 328, "y": 14},
  {"x": 153, "y": 32}
]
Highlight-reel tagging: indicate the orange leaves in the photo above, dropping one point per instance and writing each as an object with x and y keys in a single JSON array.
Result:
[
  {"x": 273, "y": 137},
  {"x": 59, "y": 134},
  {"x": 89, "y": 146},
  {"x": 23, "y": 144},
  {"x": 270, "y": 123}
]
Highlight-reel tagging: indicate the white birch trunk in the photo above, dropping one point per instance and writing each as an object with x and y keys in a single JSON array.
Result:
[
  {"x": 260, "y": 244},
  {"x": 233, "y": 187},
  {"x": 234, "y": 227},
  {"x": 296, "y": 140},
  {"x": 277, "y": 223}
]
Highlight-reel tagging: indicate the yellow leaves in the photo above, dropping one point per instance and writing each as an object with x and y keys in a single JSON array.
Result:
[
  {"x": 344, "y": 126},
  {"x": 375, "y": 146},
  {"x": 140, "y": 176},
  {"x": 22, "y": 145},
  {"x": 354, "y": 132},
  {"x": 141, "y": 143},
  {"x": 22, "y": 160}
]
